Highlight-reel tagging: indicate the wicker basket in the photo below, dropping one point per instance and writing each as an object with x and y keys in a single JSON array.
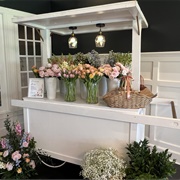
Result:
[{"x": 118, "y": 98}]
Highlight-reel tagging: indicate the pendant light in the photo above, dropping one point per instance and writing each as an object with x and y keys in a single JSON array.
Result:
[
  {"x": 100, "y": 39},
  {"x": 72, "y": 41}
]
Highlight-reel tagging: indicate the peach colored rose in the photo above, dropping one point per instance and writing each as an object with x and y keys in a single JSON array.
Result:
[
  {"x": 27, "y": 160},
  {"x": 19, "y": 170}
]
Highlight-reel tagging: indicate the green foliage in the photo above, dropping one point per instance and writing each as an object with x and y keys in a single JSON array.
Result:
[
  {"x": 124, "y": 58},
  {"x": 80, "y": 58},
  {"x": 148, "y": 164},
  {"x": 59, "y": 59}
]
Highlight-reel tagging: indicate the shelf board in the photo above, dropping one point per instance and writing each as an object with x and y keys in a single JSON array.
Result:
[{"x": 116, "y": 16}]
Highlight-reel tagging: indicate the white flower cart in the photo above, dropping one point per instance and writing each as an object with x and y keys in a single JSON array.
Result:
[{"x": 67, "y": 130}]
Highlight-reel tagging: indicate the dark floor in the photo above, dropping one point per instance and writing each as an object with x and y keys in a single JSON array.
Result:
[
  {"x": 71, "y": 171},
  {"x": 67, "y": 171}
]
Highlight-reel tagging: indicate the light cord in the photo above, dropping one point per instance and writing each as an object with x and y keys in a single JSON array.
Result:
[{"x": 50, "y": 165}]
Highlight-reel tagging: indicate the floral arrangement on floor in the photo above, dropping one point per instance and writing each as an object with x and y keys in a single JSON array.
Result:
[
  {"x": 18, "y": 157},
  {"x": 103, "y": 164}
]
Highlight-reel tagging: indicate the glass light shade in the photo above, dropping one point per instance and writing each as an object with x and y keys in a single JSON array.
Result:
[
  {"x": 100, "y": 40},
  {"x": 72, "y": 42}
]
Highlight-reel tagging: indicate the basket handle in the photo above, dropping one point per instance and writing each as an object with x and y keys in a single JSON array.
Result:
[{"x": 127, "y": 85}]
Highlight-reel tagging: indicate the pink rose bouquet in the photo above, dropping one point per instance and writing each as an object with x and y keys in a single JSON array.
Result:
[
  {"x": 50, "y": 70},
  {"x": 117, "y": 71}
]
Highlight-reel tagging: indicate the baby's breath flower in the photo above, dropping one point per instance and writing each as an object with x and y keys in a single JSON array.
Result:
[{"x": 103, "y": 164}]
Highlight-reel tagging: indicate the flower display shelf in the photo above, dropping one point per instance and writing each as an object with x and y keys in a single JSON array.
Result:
[{"x": 67, "y": 130}]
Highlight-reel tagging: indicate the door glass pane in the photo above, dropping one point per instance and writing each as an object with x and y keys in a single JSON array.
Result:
[
  {"x": 38, "y": 62},
  {"x": 38, "y": 48},
  {"x": 23, "y": 64},
  {"x": 29, "y": 33},
  {"x": 24, "y": 79},
  {"x": 21, "y": 32},
  {"x": 30, "y": 48},
  {"x": 31, "y": 75},
  {"x": 30, "y": 63},
  {"x": 22, "y": 49}
]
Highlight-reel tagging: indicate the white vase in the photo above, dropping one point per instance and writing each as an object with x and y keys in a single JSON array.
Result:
[
  {"x": 103, "y": 86},
  {"x": 51, "y": 84},
  {"x": 113, "y": 84}
]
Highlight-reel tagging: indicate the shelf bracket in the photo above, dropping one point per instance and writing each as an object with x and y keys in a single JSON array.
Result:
[
  {"x": 39, "y": 34},
  {"x": 137, "y": 20}
]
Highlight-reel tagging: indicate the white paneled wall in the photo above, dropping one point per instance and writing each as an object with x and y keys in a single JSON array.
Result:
[{"x": 161, "y": 72}]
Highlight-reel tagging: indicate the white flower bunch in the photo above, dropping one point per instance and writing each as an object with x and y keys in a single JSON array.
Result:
[{"x": 103, "y": 164}]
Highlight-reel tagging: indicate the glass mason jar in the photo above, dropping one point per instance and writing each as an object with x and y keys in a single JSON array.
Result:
[
  {"x": 92, "y": 92},
  {"x": 70, "y": 93}
]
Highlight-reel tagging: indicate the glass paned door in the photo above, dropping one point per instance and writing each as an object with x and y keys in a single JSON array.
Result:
[{"x": 29, "y": 53}]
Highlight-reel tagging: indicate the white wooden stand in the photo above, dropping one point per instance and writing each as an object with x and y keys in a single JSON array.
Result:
[{"x": 67, "y": 130}]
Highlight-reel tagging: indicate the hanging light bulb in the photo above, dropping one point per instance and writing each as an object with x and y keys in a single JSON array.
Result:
[
  {"x": 100, "y": 39},
  {"x": 72, "y": 41}
]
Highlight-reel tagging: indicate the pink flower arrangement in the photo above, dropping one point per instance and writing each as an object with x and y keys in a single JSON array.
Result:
[
  {"x": 68, "y": 71},
  {"x": 115, "y": 72},
  {"x": 50, "y": 70},
  {"x": 18, "y": 157}
]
